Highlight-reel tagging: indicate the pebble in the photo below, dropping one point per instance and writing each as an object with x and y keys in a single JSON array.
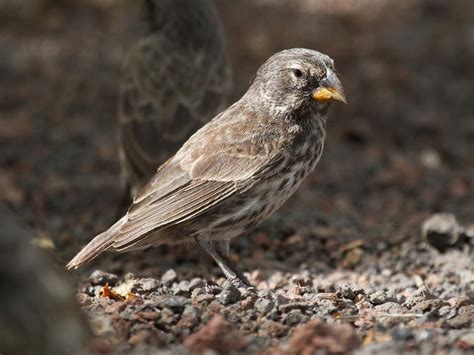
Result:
[
  {"x": 146, "y": 286},
  {"x": 169, "y": 277},
  {"x": 346, "y": 291},
  {"x": 175, "y": 303},
  {"x": 441, "y": 231},
  {"x": 229, "y": 295},
  {"x": 427, "y": 306},
  {"x": 464, "y": 317},
  {"x": 272, "y": 329},
  {"x": 382, "y": 296},
  {"x": 467, "y": 339},
  {"x": 294, "y": 317},
  {"x": 264, "y": 305},
  {"x": 196, "y": 283},
  {"x": 422, "y": 294},
  {"x": 402, "y": 334},
  {"x": 101, "y": 278},
  {"x": 390, "y": 308},
  {"x": 447, "y": 312}
]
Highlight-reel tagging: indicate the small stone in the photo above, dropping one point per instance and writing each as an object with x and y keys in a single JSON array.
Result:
[
  {"x": 264, "y": 305},
  {"x": 273, "y": 315},
  {"x": 168, "y": 316},
  {"x": 402, "y": 334},
  {"x": 422, "y": 294},
  {"x": 390, "y": 308},
  {"x": 140, "y": 337},
  {"x": 295, "y": 317},
  {"x": 146, "y": 286},
  {"x": 229, "y": 295},
  {"x": 169, "y": 277},
  {"x": 175, "y": 303},
  {"x": 427, "y": 306},
  {"x": 447, "y": 312},
  {"x": 191, "y": 311},
  {"x": 459, "y": 301},
  {"x": 467, "y": 339},
  {"x": 102, "y": 326},
  {"x": 293, "y": 305},
  {"x": 382, "y": 296},
  {"x": 204, "y": 297},
  {"x": 182, "y": 289},
  {"x": 190, "y": 317},
  {"x": 272, "y": 329},
  {"x": 101, "y": 278},
  {"x": 196, "y": 283},
  {"x": 464, "y": 318},
  {"x": 441, "y": 231},
  {"x": 267, "y": 293},
  {"x": 83, "y": 299},
  {"x": 346, "y": 291},
  {"x": 277, "y": 280}
]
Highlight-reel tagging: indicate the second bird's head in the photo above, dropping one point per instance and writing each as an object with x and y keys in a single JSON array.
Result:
[{"x": 295, "y": 81}]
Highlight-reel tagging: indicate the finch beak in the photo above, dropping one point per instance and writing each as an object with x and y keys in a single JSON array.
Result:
[{"x": 330, "y": 89}]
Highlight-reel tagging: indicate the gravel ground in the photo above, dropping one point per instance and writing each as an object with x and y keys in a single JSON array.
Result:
[{"x": 354, "y": 262}]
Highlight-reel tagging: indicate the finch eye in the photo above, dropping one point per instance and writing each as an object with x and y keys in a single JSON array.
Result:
[{"x": 297, "y": 73}]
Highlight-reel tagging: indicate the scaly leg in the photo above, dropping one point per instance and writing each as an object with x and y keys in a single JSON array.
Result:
[{"x": 234, "y": 276}]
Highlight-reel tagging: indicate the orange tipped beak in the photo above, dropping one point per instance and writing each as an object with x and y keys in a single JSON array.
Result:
[{"x": 330, "y": 90}]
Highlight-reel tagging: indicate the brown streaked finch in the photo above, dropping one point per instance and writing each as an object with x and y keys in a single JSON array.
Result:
[{"x": 238, "y": 169}]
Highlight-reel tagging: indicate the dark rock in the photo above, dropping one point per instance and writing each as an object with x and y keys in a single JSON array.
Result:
[
  {"x": 294, "y": 305},
  {"x": 427, "y": 306},
  {"x": 272, "y": 329},
  {"x": 317, "y": 337},
  {"x": 441, "y": 231},
  {"x": 402, "y": 334},
  {"x": 346, "y": 291},
  {"x": 204, "y": 297},
  {"x": 217, "y": 335},
  {"x": 39, "y": 313},
  {"x": 99, "y": 277},
  {"x": 264, "y": 305},
  {"x": 230, "y": 294},
  {"x": 175, "y": 303},
  {"x": 295, "y": 317},
  {"x": 464, "y": 318}
]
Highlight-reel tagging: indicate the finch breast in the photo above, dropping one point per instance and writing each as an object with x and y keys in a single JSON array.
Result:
[{"x": 246, "y": 210}]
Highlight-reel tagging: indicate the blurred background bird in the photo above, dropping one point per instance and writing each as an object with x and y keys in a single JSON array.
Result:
[{"x": 173, "y": 81}]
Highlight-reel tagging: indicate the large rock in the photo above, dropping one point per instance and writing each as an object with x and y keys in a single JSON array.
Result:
[{"x": 38, "y": 314}]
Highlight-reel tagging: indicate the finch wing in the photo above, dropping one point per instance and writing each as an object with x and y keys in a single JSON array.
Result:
[{"x": 188, "y": 193}]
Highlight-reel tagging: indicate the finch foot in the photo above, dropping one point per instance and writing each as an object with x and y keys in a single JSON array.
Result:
[{"x": 233, "y": 275}]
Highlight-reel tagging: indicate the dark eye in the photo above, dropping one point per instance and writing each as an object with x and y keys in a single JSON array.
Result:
[{"x": 297, "y": 73}]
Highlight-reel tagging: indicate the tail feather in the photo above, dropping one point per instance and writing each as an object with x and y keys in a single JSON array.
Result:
[{"x": 97, "y": 245}]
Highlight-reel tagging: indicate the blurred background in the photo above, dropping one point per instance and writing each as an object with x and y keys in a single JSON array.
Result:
[
  {"x": 403, "y": 145},
  {"x": 401, "y": 150}
]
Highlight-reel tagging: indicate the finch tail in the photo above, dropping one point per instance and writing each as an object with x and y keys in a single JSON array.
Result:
[{"x": 97, "y": 245}]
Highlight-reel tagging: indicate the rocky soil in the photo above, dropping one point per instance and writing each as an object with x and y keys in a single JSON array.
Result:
[{"x": 358, "y": 261}]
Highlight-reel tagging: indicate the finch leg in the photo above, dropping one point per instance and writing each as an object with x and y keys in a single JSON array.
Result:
[{"x": 234, "y": 276}]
